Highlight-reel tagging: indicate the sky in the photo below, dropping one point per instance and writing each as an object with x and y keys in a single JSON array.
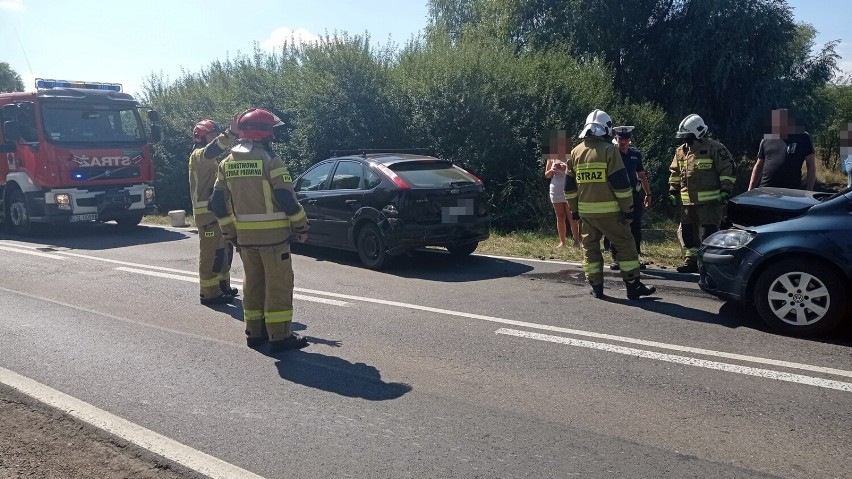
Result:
[{"x": 126, "y": 42}]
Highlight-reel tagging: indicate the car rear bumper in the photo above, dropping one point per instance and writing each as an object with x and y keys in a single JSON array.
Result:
[
  {"x": 402, "y": 236},
  {"x": 725, "y": 273}
]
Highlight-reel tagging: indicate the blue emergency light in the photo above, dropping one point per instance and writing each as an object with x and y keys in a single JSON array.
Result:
[{"x": 41, "y": 84}]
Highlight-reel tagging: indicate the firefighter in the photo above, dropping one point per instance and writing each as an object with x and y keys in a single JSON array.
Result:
[
  {"x": 598, "y": 190},
  {"x": 702, "y": 176},
  {"x": 215, "y": 254},
  {"x": 257, "y": 208}
]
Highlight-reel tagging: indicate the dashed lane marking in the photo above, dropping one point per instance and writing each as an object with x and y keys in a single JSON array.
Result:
[{"x": 672, "y": 358}]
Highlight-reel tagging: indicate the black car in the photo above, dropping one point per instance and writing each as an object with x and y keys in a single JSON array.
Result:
[
  {"x": 385, "y": 204},
  {"x": 788, "y": 252}
]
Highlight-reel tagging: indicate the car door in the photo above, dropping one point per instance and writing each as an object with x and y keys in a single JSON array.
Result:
[
  {"x": 310, "y": 188},
  {"x": 344, "y": 196}
]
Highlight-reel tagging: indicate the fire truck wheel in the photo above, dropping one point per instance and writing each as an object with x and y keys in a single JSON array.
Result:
[
  {"x": 17, "y": 216},
  {"x": 129, "y": 221}
]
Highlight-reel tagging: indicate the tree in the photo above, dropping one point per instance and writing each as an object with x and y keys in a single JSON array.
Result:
[{"x": 9, "y": 79}]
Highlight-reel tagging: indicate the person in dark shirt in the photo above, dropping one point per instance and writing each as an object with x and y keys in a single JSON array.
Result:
[
  {"x": 781, "y": 154},
  {"x": 639, "y": 184}
]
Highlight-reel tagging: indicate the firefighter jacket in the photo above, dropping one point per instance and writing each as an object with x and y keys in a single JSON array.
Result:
[
  {"x": 700, "y": 171},
  {"x": 202, "y": 175},
  {"x": 596, "y": 182},
  {"x": 253, "y": 198}
]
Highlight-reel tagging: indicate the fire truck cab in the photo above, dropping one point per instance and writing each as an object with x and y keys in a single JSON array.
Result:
[{"x": 74, "y": 152}]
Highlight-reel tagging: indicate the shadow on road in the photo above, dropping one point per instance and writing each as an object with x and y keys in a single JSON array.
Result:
[
  {"x": 101, "y": 236},
  {"x": 426, "y": 264},
  {"x": 336, "y": 375}
]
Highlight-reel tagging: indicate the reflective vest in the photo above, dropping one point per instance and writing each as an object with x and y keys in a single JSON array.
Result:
[
  {"x": 588, "y": 189},
  {"x": 250, "y": 174},
  {"x": 701, "y": 170}
]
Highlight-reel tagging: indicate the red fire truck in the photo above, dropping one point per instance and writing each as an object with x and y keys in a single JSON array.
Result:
[{"x": 73, "y": 152}]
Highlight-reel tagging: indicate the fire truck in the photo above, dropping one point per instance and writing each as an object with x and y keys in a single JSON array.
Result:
[{"x": 75, "y": 152}]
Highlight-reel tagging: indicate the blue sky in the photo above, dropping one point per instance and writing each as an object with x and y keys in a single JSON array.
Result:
[{"x": 126, "y": 41}]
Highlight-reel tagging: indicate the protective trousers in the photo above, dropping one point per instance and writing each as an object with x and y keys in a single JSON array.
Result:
[
  {"x": 697, "y": 222},
  {"x": 593, "y": 229},
  {"x": 635, "y": 225},
  {"x": 214, "y": 260},
  {"x": 267, "y": 291}
]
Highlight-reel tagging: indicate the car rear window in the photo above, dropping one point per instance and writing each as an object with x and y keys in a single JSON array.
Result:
[{"x": 432, "y": 174}]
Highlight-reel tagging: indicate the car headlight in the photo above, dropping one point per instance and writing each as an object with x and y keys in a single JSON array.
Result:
[{"x": 729, "y": 239}]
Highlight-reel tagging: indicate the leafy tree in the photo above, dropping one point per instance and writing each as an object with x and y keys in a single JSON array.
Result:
[{"x": 9, "y": 79}]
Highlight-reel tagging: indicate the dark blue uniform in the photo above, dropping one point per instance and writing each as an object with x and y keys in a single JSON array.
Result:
[{"x": 633, "y": 164}]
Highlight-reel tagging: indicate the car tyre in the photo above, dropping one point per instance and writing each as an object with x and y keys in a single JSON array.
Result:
[
  {"x": 461, "y": 250},
  {"x": 17, "y": 215},
  {"x": 800, "y": 297},
  {"x": 372, "y": 248},
  {"x": 127, "y": 222}
]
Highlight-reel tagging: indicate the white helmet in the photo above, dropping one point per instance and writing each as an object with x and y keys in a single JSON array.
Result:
[
  {"x": 692, "y": 124},
  {"x": 598, "y": 123}
]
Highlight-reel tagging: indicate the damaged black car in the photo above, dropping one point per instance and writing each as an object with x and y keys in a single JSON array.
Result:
[{"x": 787, "y": 252}]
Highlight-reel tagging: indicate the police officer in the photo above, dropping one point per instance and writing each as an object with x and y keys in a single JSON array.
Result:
[
  {"x": 639, "y": 184},
  {"x": 257, "y": 208},
  {"x": 702, "y": 177},
  {"x": 598, "y": 190},
  {"x": 215, "y": 254}
]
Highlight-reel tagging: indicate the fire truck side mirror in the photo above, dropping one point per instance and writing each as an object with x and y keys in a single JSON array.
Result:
[
  {"x": 154, "y": 116},
  {"x": 156, "y": 132},
  {"x": 11, "y": 133}
]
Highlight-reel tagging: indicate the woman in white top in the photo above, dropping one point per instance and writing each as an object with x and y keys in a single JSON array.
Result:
[{"x": 555, "y": 170}]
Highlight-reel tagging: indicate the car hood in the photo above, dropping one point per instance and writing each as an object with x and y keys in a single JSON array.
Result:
[{"x": 762, "y": 206}]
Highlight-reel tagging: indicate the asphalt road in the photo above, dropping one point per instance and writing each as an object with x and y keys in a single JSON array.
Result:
[{"x": 437, "y": 367}]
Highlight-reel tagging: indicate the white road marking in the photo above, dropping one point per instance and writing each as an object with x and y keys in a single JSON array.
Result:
[
  {"x": 702, "y": 363},
  {"x": 133, "y": 433},
  {"x": 525, "y": 324},
  {"x": 194, "y": 279},
  {"x": 31, "y": 252},
  {"x": 579, "y": 332}
]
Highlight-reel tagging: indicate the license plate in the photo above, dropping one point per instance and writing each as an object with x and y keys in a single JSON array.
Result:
[{"x": 86, "y": 217}]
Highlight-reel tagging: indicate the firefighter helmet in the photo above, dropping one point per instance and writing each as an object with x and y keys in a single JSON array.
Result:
[
  {"x": 691, "y": 125},
  {"x": 204, "y": 128},
  {"x": 258, "y": 124},
  {"x": 598, "y": 123}
]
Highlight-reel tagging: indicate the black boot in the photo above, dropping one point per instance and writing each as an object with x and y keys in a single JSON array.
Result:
[
  {"x": 227, "y": 289},
  {"x": 221, "y": 299},
  {"x": 635, "y": 289},
  {"x": 255, "y": 342},
  {"x": 597, "y": 291},
  {"x": 294, "y": 341},
  {"x": 690, "y": 265}
]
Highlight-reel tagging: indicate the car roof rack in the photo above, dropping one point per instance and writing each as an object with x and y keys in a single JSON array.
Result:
[{"x": 363, "y": 152}]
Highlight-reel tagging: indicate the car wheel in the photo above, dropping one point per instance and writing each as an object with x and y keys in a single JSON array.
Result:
[
  {"x": 17, "y": 216},
  {"x": 462, "y": 249},
  {"x": 371, "y": 247},
  {"x": 800, "y": 297}
]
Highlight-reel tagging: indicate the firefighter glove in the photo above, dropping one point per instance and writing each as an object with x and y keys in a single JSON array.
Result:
[
  {"x": 575, "y": 216},
  {"x": 723, "y": 197},
  {"x": 627, "y": 218}
]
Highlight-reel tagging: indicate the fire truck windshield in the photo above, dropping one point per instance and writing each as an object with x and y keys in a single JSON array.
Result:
[{"x": 91, "y": 124}]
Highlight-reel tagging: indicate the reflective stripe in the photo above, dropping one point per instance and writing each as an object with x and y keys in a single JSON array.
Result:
[
  {"x": 623, "y": 194},
  {"x": 280, "y": 215},
  {"x": 708, "y": 195},
  {"x": 299, "y": 216},
  {"x": 225, "y": 277},
  {"x": 690, "y": 252},
  {"x": 199, "y": 204},
  {"x": 252, "y": 315},
  {"x": 283, "y": 172},
  {"x": 732, "y": 179},
  {"x": 206, "y": 283},
  {"x": 263, "y": 225},
  {"x": 571, "y": 196},
  {"x": 200, "y": 211},
  {"x": 628, "y": 265},
  {"x": 595, "y": 165},
  {"x": 226, "y": 220},
  {"x": 674, "y": 180},
  {"x": 279, "y": 316},
  {"x": 267, "y": 197},
  {"x": 590, "y": 268},
  {"x": 599, "y": 207}
]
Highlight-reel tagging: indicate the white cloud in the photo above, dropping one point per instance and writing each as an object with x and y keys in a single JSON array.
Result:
[
  {"x": 16, "y": 5},
  {"x": 283, "y": 35}
]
